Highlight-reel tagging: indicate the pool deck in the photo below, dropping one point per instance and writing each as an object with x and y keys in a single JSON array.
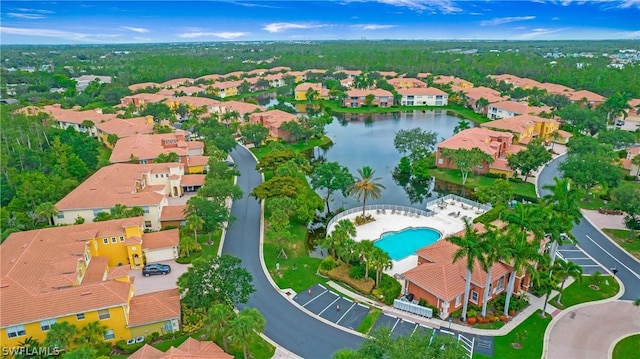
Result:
[{"x": 447, "y": 220}]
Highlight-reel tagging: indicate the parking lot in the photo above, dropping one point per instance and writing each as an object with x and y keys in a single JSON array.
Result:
[
  {"x": 142, "y": 284},
  {"x": 342, "y": 311},
  {"x": 575, "y": 254}
]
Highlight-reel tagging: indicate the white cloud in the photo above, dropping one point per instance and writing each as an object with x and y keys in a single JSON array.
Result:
[
  {"x": 283, "y": 26},
  {"x": 245, "y": 4},
  {"x": 442, "y": 6},
  {"x": 39, "y": 11},
  {"x": 505, "y": 20},
  {"x": 372, "y": 26},
  {"x": 60, "y": 34},
  {"x": 555, "y": 18},
  {"x": 222, "y": 35},
  {"x": 139, "y": 30},
  {"x": 540, "y": 33},
  {"x": 26, "y": 16}
]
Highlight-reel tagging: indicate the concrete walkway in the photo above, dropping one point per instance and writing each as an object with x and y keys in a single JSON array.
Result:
[{"x": 588, "y": 330}]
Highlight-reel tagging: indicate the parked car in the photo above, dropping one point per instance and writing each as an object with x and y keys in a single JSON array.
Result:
[{"x": 156, "y": 268}]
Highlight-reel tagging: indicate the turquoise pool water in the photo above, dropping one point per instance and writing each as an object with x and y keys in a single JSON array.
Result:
[{"x": 405, "y": 242}]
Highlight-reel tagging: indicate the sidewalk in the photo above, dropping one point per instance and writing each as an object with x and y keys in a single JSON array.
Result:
[{"x": 535, "y": 303}]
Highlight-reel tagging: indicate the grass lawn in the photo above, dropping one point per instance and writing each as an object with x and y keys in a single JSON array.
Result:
[
  {"x": 621, "y": 236},
  {"x": 369, "y": 321},
  {"x": 454, "y": 176},
  {"x": 300, "y": 146},
  {"x": 492, "y": 325},
  {"x": 627, "y": 347},
  {"x": 529, "y": 334},
  {"x": 579, "y": 292}
]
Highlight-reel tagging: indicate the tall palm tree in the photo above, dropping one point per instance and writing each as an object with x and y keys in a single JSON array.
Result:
[
  {"x": 92, "y": 334},
  {"x": 344, "y": 229},
  {"x": 564, "y": 270},
  {"x": 346, "y": 250},
  {"x": 461, "y": 126},
  {"x": 380, "y": 260},
  {"x": 194, "y": 223},
  {"x": 563, "y": 211},
  {"x": 528, "y": 218},
  {"x": 494, "y": 251},
  {"x": 521, "y": 252},
  {"x": 546, "y": 285},
  {"x": 60, "y": 335},
  {"x": 244, "y": 328},
  {"x": 481, "y": 104},
  {"x": 188, "y": 244},
  {"x": 365, "y": 249},
  {"x": 217, "y": 320},
  {"x": 46, "y": 210},
  {"x": 366, "y": 186},
  {"x": 470, "y": 248}
]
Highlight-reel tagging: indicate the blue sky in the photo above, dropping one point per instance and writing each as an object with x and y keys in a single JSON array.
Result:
[{"x": 89, "y": 22}]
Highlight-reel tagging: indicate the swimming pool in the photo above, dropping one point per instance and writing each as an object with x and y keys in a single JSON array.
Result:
[{"x": 404, "y": 243}]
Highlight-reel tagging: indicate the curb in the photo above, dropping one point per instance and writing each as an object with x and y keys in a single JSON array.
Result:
[
  {"x": 223, "y": 235},
  {"x": 613, "y": 345},
  {"x": 609, "y": 238},
  {"x": 542, "y": 169}
]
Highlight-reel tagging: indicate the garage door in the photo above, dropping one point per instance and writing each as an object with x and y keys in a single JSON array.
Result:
[{"x": 159, "y": 255}]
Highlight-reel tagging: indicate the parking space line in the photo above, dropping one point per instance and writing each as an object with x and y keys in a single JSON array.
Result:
[
  {"x": 316, "y": 297},
  {"x": 345, "y": 313},
  {"x": 330, "y": 305},
  {"x": 614, "y": 258}
]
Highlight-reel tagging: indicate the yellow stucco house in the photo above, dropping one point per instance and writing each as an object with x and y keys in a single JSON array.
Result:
[
  {"x": 525, "y": 127},
  {"x": 80, "y": 274},
  {"x": 300, "y": 92}
]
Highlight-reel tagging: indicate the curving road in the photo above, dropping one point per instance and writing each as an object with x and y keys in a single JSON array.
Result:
[
  {"x": 594, "y": 243},
  {"x": 287, "y": 325}
]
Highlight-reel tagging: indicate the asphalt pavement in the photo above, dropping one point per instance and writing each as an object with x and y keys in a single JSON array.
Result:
[
  {"x": 287, "y": 324},
  {"x": 597, "y": 246}
]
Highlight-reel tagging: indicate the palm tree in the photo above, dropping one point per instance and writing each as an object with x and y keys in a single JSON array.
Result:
[
  {"x": 92, "y": 334},
  {"x": 366, "y": 186},
  {"x": 46, "y": 210},
  {"x": 344, "y": 229},
  {"x": 528, "y": 218},
  {"x": 494, "y": 251},
  {"x": 481, "y": 104},
  {"x": 547, "y": 285},
  {"x": 32, "y": 347},
  {"x": 522, "y": 252},
  {"x": 563, "y": 212},
  {"x": 215, "y": 324},
  {"x": 346, "y": 250},
  {"x": 564, "y": 270},
  {"x": 380, "y": 260},
  {"x": 461, "y": 126},
  {"x": 471, "y": 247},
  {"x": 194, "y": 223},
  {"x": 365, "y": 249},
  {"x": 188, "y": 244},
  {"x": 244, "y": 328},
  {"x": 60, "y": 335}
]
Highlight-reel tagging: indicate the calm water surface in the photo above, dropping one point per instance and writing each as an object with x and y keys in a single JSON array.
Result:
[{"x": 367, "y": 140}]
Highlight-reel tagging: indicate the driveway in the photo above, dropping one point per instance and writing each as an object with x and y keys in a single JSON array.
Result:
[
  {"x": 155, "y": 283},
  {"x": 587, "y": 331}
]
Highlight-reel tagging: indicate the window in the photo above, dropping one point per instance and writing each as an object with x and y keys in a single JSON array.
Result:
[
  {"x": 80, "y": 316},
  {"x": 474, "y": 296},
  {"x": 168, "y": 326},
  {"x": 104, "y": 314},
  {"x": 457, "y": 301},
  {"x": 145, "y": 209},
  {"x": 121, "y": 238},
  {"x": 60, "y": 215},
  {"x": 105, "y": 240},
  {"x": 113, "y": 240},
  {"x": 147, "y": 224},
  {"x": 97, "y": 211},
  {"x": 16, "y": 331},
  {"x": 109, "y": 334},
  {"x": 500, "y": 286},
  {"x": 46, "y": 324}
]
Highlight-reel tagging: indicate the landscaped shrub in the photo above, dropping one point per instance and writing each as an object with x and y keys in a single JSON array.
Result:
[
  {"x": 490, "y": 215},
  {"x": 130, "y": 348},
  {"x": 471, "y": 313},
  {"x": 457, "y": 314},
  {"x": 390, "y": 287},
  {"x": 327, "y": 264},
  {"x": 192, "y": 319},
  {"x": 503, "y": 318},
  {"x": 471, "y": 321},
  {"x": 341, "y": 274},
  {"x": 516, "y": 303},
  {"x": 357, "y": 271},
  {"x": 155, "y": 336},
  {"x": 360, "y": 220}
]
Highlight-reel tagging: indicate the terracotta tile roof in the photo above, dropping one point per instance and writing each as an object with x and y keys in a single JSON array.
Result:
[
  {"x": 518, "y": 124},
  {"x": 161, "y": 239},
  {"x": 400, "y": 82},
  {"x": 143, "y": 98},
  {"x": 444, "y": 79},
  {"x": 364, "y": 93},
  {"x": 147, "y": 352},
  {"x": 154, "y": 307},
  {"x": 223, "y": 85},
  {"x": 69, "y": 116},
  {"x": 237, "y": 74},
  {"x": 565, "y": 134},
  {"x": 273, "y": 77},
  {"x": 350, "y": 72},
  {"x": 308, "y": 85},
  {"x": 211, "y": 77},
  {"x": 491, "y": 95},
  {"x": 256, "y": 72},
  {"x": 387, "y": 73},
  {"x": 272, "y": 118},
  {"x": 423, "y": 75},
  {"x": 149, "y": 147},
  {"x": 555, "y": 88},
  {"x": 192, "y": 180},
  {"x": 515, "y": 80},
  {"x": 143, "y": 85},
  {"x": 118, "y": 272},
  {"x": 590, "y": 96},
  {"x": 421, "y": 91},
  {"x": 279, "y": 68},
  {"x": 125, "y": 128},
  {"x": 115, "y": 184},
  {"x": 197, "y": 161},
  {"x": 96, "y": 270},
  {"x": 239, "y": 107},
  {"x": 177, "y": 82},
  {"x": 197, "y": 101},
  {"x": 512, "y": 106},
  {"x": 476, "y": 137},
  {"x": 173, "y": 213}
]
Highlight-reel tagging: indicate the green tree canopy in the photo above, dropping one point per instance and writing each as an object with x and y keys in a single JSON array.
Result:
[
  {"x": 416, "y": 143},
  {"x": 331, "y": 176}
]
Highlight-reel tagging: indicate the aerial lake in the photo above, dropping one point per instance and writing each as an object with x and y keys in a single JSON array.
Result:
[{"x": 367, "y": 140}]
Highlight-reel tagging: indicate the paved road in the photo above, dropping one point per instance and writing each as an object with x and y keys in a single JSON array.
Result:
[
  {"x": 287, "y": 325},
  {"x": 596, "y": 245}
]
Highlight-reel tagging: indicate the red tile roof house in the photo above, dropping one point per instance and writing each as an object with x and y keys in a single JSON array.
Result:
[
  {"x": 209, "y": 78},
  {"x": 56, "y": 273},
  {"x": 423, "y": 96},
  {"x": 300, "y": 91},
  {"x": 177, "y": 82},
  {"x": 476, "y": 93},
  {"x": 633, "y": 170},
  {"x": 182, "y": 91},
  {"x": 190, "y": 348},
  {"x": 144, "y": 85},
  {"x": 357, "y": 98},
  {"x": 347, "y": 83},
  {"x": 275, "y": 80},
  {"x": 555, "y": 88},
  {"x": 225, "y": 88},
  {"x": 272, "y": 120},
  {"x": 141, "y": 99},
  {"x": 516, "y": 81},
  {"x": 405, "y": 82},
  {"x": 350, "y": 73},
  {"x": 633, "y": 114},
  {"x": 124, "y": 128},
  {"x": 147, "y": 186},
  {"x": 242, "y": 108},
  {"x": 506, "y": 109},
  {"x": 146, "y": 148},
  {"x": 454, "y": 81},
  {"x": 586, "y": 98},
  {"x": 71, "y": 118},
  {"x": 497, "y": 144}
]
